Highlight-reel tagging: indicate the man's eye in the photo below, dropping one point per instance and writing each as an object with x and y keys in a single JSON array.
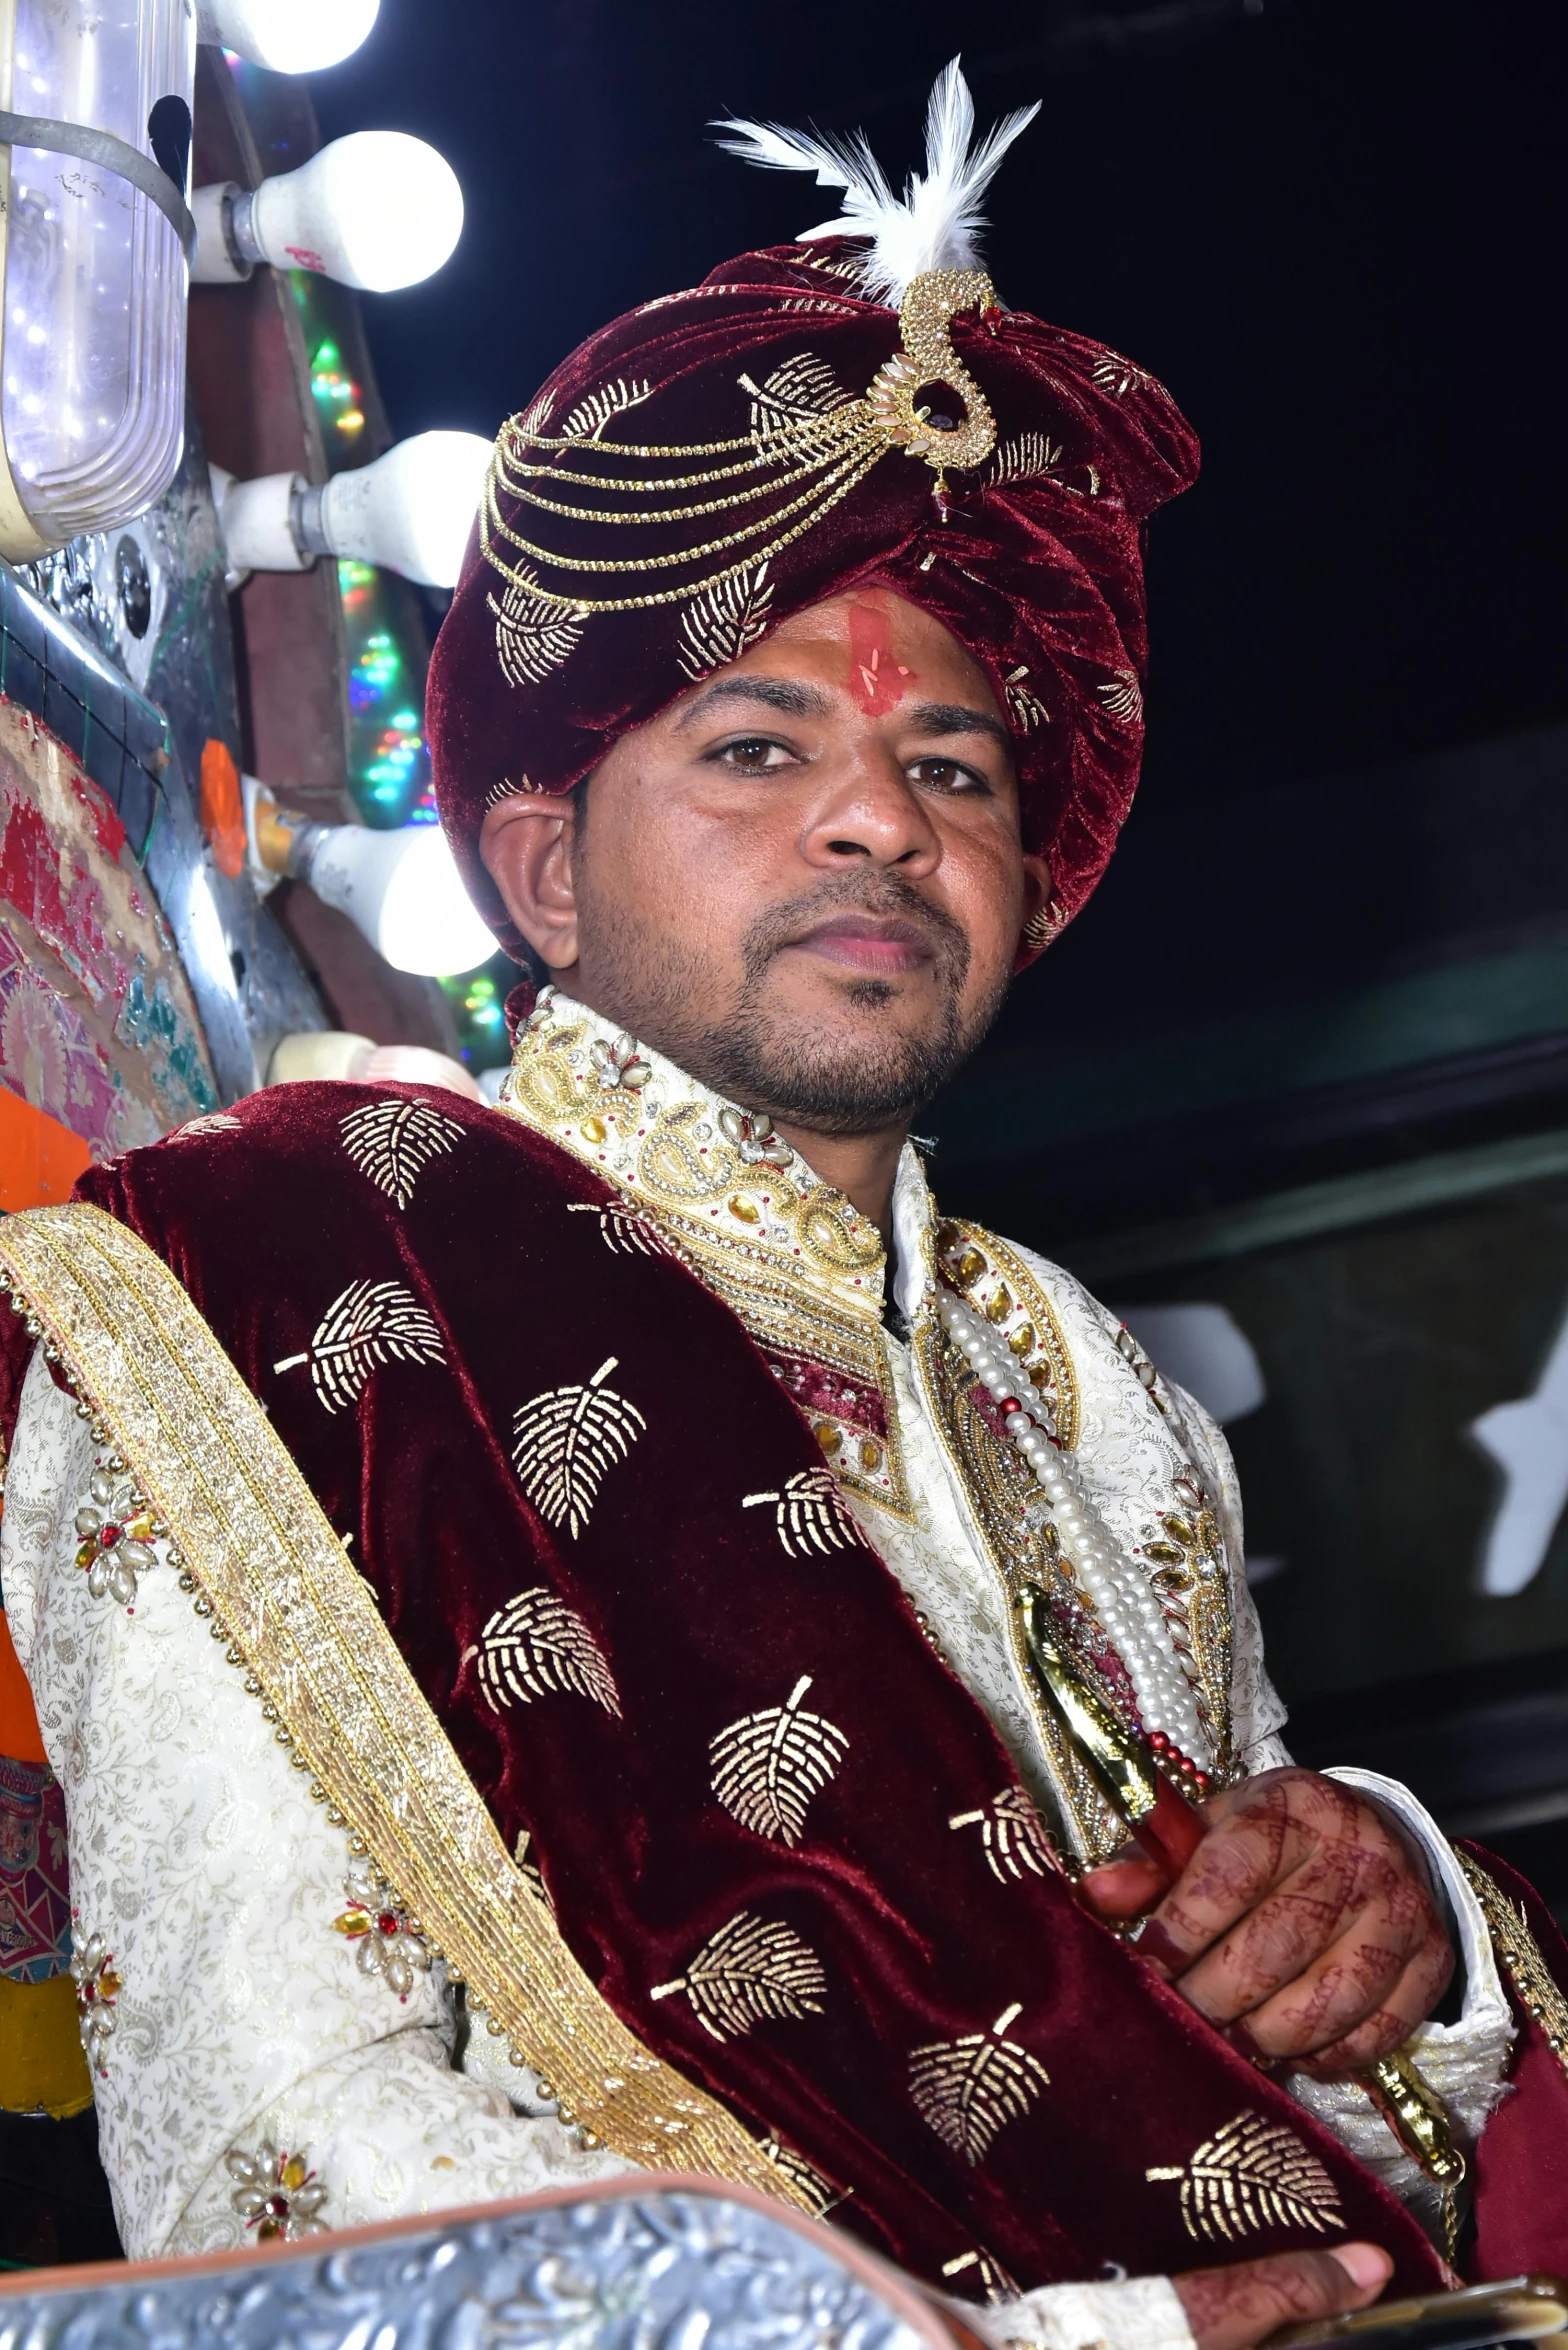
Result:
[
  {"x": 948, "y": 775},
  {"x": 754, "y": 754}
]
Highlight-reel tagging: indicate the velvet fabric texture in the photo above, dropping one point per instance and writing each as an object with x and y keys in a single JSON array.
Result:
[
  {"x": 1521, "y": 2166},
  {"x": 1034, "y": 560},
  {"x": 1067, "y": 2070}
]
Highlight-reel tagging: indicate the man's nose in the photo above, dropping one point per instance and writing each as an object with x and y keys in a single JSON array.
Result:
[{"x": 871, "y": 812}]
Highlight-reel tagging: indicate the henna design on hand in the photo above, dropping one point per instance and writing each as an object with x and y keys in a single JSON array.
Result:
[{"x": 1304, "y": 1926}]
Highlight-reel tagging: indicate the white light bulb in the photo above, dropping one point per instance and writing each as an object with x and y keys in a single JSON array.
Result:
[
  {"x": 375, "y": 210},
  {"x": 403, "y": 891},
  {"x": 292, "y": 36},
  {"x": 411, "y": 510}
]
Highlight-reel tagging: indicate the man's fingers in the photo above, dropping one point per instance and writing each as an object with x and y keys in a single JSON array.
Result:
[
  {"x": 1124, "y": 1887},
  {"x": 1240, "y": 1861},
  {"x": 1390, "y": 2024},
  {"x": 1295, "y": 2012},
  {"x": 1234, "y": 2308}
]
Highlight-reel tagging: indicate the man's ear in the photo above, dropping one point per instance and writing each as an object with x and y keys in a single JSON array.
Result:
[
  {"x": 527, "y": 847},
  {"x": 1037, "y": 895}
]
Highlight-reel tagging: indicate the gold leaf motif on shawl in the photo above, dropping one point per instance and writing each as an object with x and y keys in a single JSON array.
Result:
[
  {"x": 534, "y": 636},
  {"x": 627, "y": 1230},
  {"x": 590, "y": 416},
  {"x": 372, "y": 1322},
  {"x": 968, "y": 2088},
  {"x": 721, "y": 623},
  {"x": 809, "y": 1514},
  {"x": 536, "y": 1644},
  {"x": 530, "y": 1871},
  {"x": 751, "y": 1970},
  {"x": 1013, "y": 1837},
  {"x": 817, "y": 2193},
  {"x": 1252, "y": 2175},
  {"x": 567, "y": 1440},
  {"x": 391, "y": 1140},
  {"x": 994, "y": 2282},
  {"x": 768, "y": 1765}
]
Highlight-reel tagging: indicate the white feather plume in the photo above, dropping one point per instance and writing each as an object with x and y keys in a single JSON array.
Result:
[{"x": 936, "y": 222}]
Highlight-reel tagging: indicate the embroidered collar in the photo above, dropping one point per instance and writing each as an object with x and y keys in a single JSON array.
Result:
[{"x": 805, "y": 1271}]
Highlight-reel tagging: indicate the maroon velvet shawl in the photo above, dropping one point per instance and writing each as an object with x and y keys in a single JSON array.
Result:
[{"x": 974, "y": 2062}]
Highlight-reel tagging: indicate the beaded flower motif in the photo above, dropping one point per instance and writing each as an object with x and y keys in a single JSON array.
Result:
[
  {"x": 117, "y": 1534},
  {"x": 387, "y": 1942},
  {"x": 619, "y": 1064},
  {"x": 98, "y": 1985},
  {"x": 751, "y": 1131},
  {"x": 277, "y": 2194}
]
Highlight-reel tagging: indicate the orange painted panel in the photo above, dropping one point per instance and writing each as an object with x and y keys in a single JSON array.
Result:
[
  {"x": 19, "y": 1734},
  {"x": 223, "y": 808},
  {"x": 39, "y": 1158}
]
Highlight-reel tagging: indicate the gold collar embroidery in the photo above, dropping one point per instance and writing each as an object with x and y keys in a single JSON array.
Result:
[{"x": 801, "y": 1267}]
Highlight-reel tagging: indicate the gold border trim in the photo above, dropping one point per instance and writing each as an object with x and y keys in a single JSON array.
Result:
[
  {"x": 1532, "y": 1980},
  {"x": 258, "y": 1542}
]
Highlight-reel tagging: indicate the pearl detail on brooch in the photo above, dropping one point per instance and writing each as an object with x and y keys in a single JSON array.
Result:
[{"x": 1126, "y": 1606}]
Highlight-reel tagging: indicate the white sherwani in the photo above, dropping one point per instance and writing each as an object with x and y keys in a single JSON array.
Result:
[{"x": 198, "y": 1855}]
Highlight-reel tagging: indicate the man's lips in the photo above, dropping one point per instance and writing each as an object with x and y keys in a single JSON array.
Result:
[{"x": 882, "y": 944}]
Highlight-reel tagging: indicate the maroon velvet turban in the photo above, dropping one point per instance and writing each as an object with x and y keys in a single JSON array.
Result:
[{"x": 724, "y": 457}]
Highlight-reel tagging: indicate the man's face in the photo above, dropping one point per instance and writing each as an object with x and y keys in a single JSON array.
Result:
[{"x": 803, "y": 882}]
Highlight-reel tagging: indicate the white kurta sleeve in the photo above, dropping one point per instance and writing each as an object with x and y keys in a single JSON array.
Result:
[{"x": 242, "y": 2017}]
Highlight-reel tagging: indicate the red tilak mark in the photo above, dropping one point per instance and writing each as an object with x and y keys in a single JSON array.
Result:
[
  {"x": 307, "y": 258},
  {"x": 876, "y": 680}
]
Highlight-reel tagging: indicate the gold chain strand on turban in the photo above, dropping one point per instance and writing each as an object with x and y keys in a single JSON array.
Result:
[{"x": 831, "y": 449}]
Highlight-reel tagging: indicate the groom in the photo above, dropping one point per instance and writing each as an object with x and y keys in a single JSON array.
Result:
[{"x": 621, "y": 1509}]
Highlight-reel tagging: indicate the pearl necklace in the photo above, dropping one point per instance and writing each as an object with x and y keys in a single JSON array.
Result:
[{"x": 1123, "y": 1602}]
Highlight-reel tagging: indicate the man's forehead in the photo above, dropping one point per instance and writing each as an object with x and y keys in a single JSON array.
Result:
[{"x": 872, "y": 644}]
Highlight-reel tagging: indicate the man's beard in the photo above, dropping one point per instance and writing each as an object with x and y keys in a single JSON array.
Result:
[{"x": 772, "y": 1061}]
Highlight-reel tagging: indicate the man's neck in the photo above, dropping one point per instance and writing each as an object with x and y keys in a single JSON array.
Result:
[{"x": 864, "y": 1167}]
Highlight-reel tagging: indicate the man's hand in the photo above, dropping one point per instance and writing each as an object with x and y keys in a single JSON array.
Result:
[
  {"x": 1303, "y": 1927},
  {"x": 1233, "y": 2308}
]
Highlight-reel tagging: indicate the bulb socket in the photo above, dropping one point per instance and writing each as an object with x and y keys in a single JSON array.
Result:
[
  {"x": 239, "y": 229},
  {"x": 306, "y": 521}
]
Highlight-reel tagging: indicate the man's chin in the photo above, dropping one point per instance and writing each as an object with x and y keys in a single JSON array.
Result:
[{"x": 851, "y": 1067}]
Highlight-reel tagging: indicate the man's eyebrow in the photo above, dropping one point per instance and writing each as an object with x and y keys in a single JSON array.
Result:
[
  {"x": 942, "y": 718},
  {"x": 788, "y": 695}
]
